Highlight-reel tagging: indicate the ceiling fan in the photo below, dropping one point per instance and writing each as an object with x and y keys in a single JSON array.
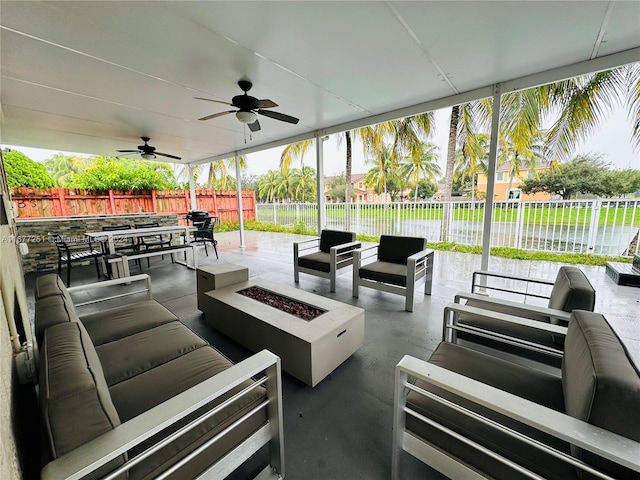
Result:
[
  {"x": 249, "y": 108},
  {"x": 148, "y": 152}
]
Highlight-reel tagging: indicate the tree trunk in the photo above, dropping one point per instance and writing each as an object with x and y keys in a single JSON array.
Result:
[
  {"x": 347, "y": 186},
  {"x": 448, "y": 175}
]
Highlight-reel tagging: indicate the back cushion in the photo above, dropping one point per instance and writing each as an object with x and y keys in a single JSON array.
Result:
[
  {"x": 395, "y": 249},
  {"x": 331, "y": 238},
  {"x": 600, "y": 383},
  {"x": 52, "y": 310},
  {"x": 74, "y": 399},
  {"x": 572, "y": 291},
  {"x": 49, "y": 284}
]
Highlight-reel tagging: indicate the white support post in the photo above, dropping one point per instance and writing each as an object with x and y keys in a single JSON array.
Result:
[
  {"x": 239, "y": 190},
  {"x": 192, "y": 189},
  {"x": 491, "y": 178},
  {"x": 320, "y": 181}
]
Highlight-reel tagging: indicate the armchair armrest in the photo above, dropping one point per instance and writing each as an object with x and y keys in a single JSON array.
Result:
[
  {"x": 361, "y": 254},
  {"x": 487, "y": 273},
  {"x": 342, "y": 255},
  {"x": 451, "y": 327},
  {"x": 519, "y": 309},
  {"x": 613, "y": 447},
  {"x": 110, "y": 283},
  {"x": 98, "y": 452},
  {"x": 298, "y": 247}
]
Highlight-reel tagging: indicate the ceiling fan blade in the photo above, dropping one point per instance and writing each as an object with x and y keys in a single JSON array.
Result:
[
  {"x": 167, "y": 155},
  {"x": 255, "y": 126},
  {"x": 220, "y": 114},
  {"x": 278, "y": 116},
  {"x": 128, "y": 151},
  {"x": 266, "y": 103},
  {"x": 215, "y": 101}
]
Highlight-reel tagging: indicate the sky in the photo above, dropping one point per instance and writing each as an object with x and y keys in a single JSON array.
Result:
[{"x": 612, "y": 140}]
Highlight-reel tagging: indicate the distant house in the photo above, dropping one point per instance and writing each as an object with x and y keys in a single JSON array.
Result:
[
  {"x": 361, "y": 193},
  {"x": 501, "y": 189}
]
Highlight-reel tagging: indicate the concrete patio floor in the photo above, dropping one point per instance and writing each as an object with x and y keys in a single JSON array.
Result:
[{"x": 341, "y": 429}]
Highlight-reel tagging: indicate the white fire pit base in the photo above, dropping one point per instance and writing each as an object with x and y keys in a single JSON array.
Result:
[{"x": 309, "y": 350}]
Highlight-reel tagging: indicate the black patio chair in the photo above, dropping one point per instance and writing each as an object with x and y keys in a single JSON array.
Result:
[
  {"x": 68, "y": 253},
  {"x": 205, "y": 225},
  {"x": 122, "y": 245}
]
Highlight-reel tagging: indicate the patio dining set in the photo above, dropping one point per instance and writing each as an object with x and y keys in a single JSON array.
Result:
[{"x": 118, "y": 244}]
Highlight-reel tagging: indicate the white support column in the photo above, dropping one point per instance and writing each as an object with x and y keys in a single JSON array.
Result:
[
  {"x": 491, "y": 178},
  {"x": 192, "y": 189},
  {"x": 239, "y": 190},
  {"x": 320, "y": 181}
]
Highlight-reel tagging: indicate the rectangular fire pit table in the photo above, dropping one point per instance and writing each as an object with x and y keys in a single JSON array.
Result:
[{"x": 309, "y": 349}]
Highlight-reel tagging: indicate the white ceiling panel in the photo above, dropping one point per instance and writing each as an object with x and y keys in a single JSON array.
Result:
[{"x": 93, "y": 76}]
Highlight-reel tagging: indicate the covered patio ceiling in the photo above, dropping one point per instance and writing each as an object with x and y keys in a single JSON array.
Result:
[{"x": 93, "y": 76}]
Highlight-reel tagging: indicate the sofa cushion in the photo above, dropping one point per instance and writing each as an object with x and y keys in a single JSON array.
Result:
[
  {"x": 146, "y": 390},
  {"x": 137, "y": 353},
  {"x": 74, "y": 398},
  {"x": 320, "y": 261},
  {"x": 52, "y": 310},
  {"x": 393, "y": 273},
  {"x": 49, "y": 284},
  {"x": 115, "y": 323},
  {"x": 571, "y": 291},
  {"x": 331, "y": 238},
  {"x": 395, "y": 249},
  {"x": 531, "y": 384},
  {"x": 601, "y": 384}
]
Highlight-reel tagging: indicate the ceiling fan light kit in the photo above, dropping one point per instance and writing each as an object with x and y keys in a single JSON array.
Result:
[
  {"x": 148, "y": 156},
  {"x": 246, "y": 116}
]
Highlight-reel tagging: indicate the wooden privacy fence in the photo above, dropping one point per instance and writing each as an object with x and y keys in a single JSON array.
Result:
[{"x": 63, "y": 202}]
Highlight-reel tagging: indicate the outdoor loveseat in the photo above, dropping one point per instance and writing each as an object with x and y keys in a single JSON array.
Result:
[
  {"x": 473, "y": 415},
  {"x": 539, "y": 334},
  {"x": 131, "y": 389}
]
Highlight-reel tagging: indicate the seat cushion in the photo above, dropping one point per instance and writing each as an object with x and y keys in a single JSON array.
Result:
[
  {"x": 534, "y": 385},
  {"x": 114, "y": 323},
  {"x": 331, "y": 238},
  {"x": 146, "y": 390},
  {"x": 572, "y": 291},
  {"x": 75, "y": 401},
  {"x": 395, "y": 249},
  {"x": 320, "y": 261},
  {"x": 134, "y": 354},
  {"x": 393, "y": 273},
  {"x": 601, "y": 384}
]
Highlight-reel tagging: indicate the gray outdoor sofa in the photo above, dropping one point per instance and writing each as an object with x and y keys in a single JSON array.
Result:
[
  {"x": 131, "y": 391},
  {"x": 469, "y": 414}
]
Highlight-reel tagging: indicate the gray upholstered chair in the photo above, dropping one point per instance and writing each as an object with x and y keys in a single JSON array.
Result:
[
  {"x": 476, "y": 320},
  {"x": 325, "y": 255},
  {"x": 395, "y": 265}
]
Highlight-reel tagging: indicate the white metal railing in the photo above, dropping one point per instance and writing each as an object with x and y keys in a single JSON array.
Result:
[{"x": 604, "y": 227}]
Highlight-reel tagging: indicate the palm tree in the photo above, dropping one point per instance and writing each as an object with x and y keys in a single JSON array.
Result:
[
  {"x": 305, "y": 185},
  {"x": 521, "y": 152},
  {"x": 268, "y": 185},
  {"x": 424, "y": 165},
  {"x": 385, "y": 167},
  {"x": 219, "y": 172}
]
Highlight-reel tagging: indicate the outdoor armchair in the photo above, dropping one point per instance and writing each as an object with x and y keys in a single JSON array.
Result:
[
  {"x": 325, "y": 255},
  {"x": 571, "y": 290},
  {"x": 395, "y": 265}
]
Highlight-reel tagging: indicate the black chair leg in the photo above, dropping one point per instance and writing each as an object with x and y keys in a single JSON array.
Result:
[
  {"x": 205, "y": 247},
  {"x": 95, "y": 260},
  {"x": 68, "y": 274}
]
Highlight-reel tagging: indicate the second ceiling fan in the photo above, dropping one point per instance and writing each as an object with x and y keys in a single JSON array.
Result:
[{"x": 248, "y": 108}]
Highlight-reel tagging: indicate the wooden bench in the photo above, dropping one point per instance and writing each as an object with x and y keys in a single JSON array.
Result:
[
  {"x": 625, "y": 273},
  {"x": 122, "y": 260}
]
